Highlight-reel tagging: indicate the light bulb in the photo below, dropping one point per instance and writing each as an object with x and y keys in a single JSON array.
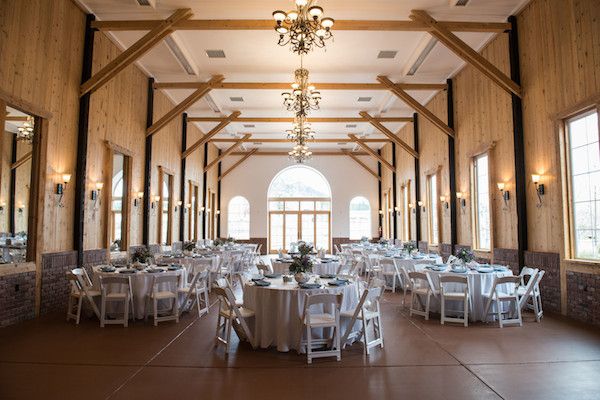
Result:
[
  {"x": 535, "y": 179},
  {"x": 279, "y": 15},
  {"x": 301, "y": 3},
  {"x": 327, "y": 22},
  {"x": 315, "y": 11},
  {"x": 66, "y": 178},
  {"x": 99, "y": 185},
  {"x": 501, "y": 186},
  {"x": 292, "y": 15}
]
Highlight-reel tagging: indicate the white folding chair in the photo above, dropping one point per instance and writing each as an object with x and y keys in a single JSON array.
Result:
[
  {"x": 160, "y": 294},
  {"x": 80, "y": 290},
  {"x": 452, "y": 295},
  {"x": 372, "y": 265},
  {"x": 196, "y": 292},
  {"x": 321, "y": 319},
  {"x": 119, "y": 295},
  {"x": 421, "y": 287},
  {"x": 504, "y": 290},
  {"x": 390, "y": 271},
  {"x": 261, "y": 266},
  {"x": 531, "y": 292},
  {"x": 406, "y": 283},
  {"x": 231, "y": 316},
  {"x": 368, "y": 312}
]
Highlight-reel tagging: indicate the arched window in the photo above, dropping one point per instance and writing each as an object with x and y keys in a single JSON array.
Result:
[
  {"x": 238, "y": 218},
  {"x": 360, "y": 218}
]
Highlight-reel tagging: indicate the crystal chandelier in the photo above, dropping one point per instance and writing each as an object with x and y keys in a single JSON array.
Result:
[
  {"x": 303, "y": 27},
  {"x": 25, "y": 131},
  {"x": 300, "y": 153},
  {"x": 299, "y": 134},
  {"x": 303, "y": 97}
]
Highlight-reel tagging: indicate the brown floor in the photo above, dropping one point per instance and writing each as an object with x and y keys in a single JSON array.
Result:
[{"x": 49, "y": 358}]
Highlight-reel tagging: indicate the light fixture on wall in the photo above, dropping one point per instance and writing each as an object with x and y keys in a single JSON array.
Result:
[
  {"x": 61, "y": 187},
  {"x": 96, "y": 192},
  {"x": 188, "y": 207},
  {"x": 303, "y": 28},
  {"x": 505, "y": 193},
  {"x": 421, "y": 204},
  {"x": 218, "y": 212},
  {"x": 138, "y": 199},
  {"x": 2, "y": 205},
  {"x": 444, "y": 201},
  {"x": 380, "y": 212},
  {"x": 460, "y": 197},
  {"x": 412, "y": 207},
  {"x": 21, "y": 208},
  {"x": 540, "y": 189},
  {"x": 397, "y": 209},
  {"x": 179, "y": 203},
  {"x": 155, "y": 201}
]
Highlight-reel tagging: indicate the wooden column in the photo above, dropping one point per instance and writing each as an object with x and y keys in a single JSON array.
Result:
[
  {"x": 204, "y": 175},
  {"x": 148, "y": 165},
  {"x": 12, "y": 186},
  {"x": 379, "y": 208},
  {"x": 182, "y": 179},
  {"x": 394, "y": 188},
  {"x": 219, "y": 198},
  {"x": 518, "y": 144},
  {"x": 452, "y": 167},
  {"x": 82, "y": 142},
  {"x": 417, "y": 178}
]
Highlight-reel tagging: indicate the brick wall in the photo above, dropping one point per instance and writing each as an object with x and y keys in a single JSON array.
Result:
[
  {"x": 17, "y": 298},
  {"x": 583, "y": 297},
  {"x": 340, "y": 240},
  {"x": 550, "y": 284},
  {"x": 445, "y": 250},
  {"x": 508, "y": 257},
  {"x": 422, "y": 246},
  {"x": 55, "y": 287}
]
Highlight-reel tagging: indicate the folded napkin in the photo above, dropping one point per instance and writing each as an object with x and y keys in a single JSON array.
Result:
[
  {"x": 338, "y": 282},
  {"x": 272, "y": 276},
  {"x": 327, "y": 276},
  {"x": 107, "y": 269},
  {"x": 309, "y": 285},
  {"x": 127, "y": 271},
  {"x": 262, "y": 283}
]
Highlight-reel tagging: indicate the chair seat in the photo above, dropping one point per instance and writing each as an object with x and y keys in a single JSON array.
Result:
[
  {"x": 163, "y": 295},
  {"x": 192, "y": 289},
  {"x": 321, "y": 320},
  {"x": 389, "y": 273},
  {"x": 422, "y": 291},
  {"x": 521, "y": 290},
  {"x": 368, "y": 314},
  {"x": 92, "y": 293},
  {"x": 244, "y": 312},
  {"x": 454, "y": 295},
  {"x": 117, "y": 296},
  {"x": 500, "y": 296}
]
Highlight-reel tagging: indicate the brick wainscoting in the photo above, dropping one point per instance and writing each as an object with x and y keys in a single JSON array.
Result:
[
  {"x": 422, "y": 246},
  {"x": 508, "y": 257},
  {"x": 17, "y": 298},
  {"x": 258, "y": 241},
  {"x": 445, "y": 250},
  {"x": 55, "y": 288},
  {"x": 550, "y": 285},
  {"x": 340, "y": 240},
  {"x": 583, "y": 297}
]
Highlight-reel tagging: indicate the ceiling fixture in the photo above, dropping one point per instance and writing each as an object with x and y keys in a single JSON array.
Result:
[
  {"x": 179, "y": 55},
  {"x": 215, "y": 53},
  {"x": 25, "y": 131},
  {"x": 364, "y": 99},
  {"x": 237, "y": 99},
  {"x": 387, "y": 54},
  {"x": 303, "y": 28},
  {"x": 304, "y": 96},
  {"x": 299, "y": 135}
]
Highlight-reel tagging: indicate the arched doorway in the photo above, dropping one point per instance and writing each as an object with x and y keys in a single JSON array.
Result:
[{"x": 299, "y": 201}]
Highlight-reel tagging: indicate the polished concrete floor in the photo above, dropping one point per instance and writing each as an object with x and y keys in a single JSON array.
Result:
[{"x": 51, "y": 359}]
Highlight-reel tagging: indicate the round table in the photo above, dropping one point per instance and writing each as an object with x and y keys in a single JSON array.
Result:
[
  {"x": 141, "y": 285},
  {"x": 319, "y": 267},
  {"x": 278, "y": 310}
]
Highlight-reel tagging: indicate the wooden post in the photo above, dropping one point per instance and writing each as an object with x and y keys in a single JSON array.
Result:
[
  {"x": 82, "y": 142},
  {"x": 12, "y": 186},
  {"x": 394, "y": 194},
  {"x": 182, "y": 177},
  {"x": 417, "y": 179},
  {"x": 518, "y": 145},
  {"x": 204, "y": 176},
  {"x": 148, "y": 165},
  {"x": 452, "y": 167},
  {"x": 219, "y": 197},
  {"x": 379, "y": 208}
]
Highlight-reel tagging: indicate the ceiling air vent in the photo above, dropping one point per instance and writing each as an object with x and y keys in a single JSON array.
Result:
[
  {"x": 236, "y": 99},
  {"x": 342, "y": 144},
  {"x": 257, "y": 143},
  {"x": 350, "y": 126},
  {"x": 387, "y": 54},
  {"x": 364, "y": 99},
  {"x": 147, "y": 3},
  {"x": 215, "y": 53},
  {"x": 459, "y": 3},
  {"x": 249, "y": 126}
]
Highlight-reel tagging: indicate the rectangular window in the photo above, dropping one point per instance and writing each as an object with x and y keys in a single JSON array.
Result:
[
  {"x": 432, "y": 203},
  {"x": 584, "y": 184},
  {"x": 406, "y": 212},
  {"x": 481, "y": 203}
]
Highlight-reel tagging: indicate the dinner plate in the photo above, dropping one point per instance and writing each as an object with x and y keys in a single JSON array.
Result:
[
  {"x": 309, "y": 285},
  {"x": 127, "y": 271}
]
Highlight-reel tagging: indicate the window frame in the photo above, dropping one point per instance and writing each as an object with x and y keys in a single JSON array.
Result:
[
  {"x": 474, "y": 202},
  {"x": 162, "y": 172},
  {"x": 567, "y": 181},
  {"x": 436, "y": 203},
  {"x": 406, "y": 217},
  {"x": 370, "y": 225},
  {"x": 106, "y": 195},
  {"x": 229, "y": 217}
]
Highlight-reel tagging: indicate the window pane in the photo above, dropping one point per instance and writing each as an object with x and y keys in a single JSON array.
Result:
[
  {"x": 323, "y": 205},
  {"x": 238, "y": 218},
  {"x": 323, "y": 231},
  {"x": 299, "y": 181},
  {"x": 360, "y": 218},
  {"x": 308, "y": 228},
  {"x": 276, "y": 232},
  {"x": 307, "y": 205},
  {"x": 291, "y": 229},
  {"x": 584, "y": 169},
  {"x": 276, "y": 205},
  {"x": 433, "y": 210},
  {"x": 482, "y": 203},
  {"x": 291, "y": 206}
]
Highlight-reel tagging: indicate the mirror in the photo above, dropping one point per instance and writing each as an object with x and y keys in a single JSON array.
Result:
[
  {"x": 118, "y": 203},
  {"x": 16, "y": 149},
  {"x": 165, "y": 221}
]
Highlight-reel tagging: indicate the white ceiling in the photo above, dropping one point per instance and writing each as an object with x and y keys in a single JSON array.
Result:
[{"x": 254, "y": 56}]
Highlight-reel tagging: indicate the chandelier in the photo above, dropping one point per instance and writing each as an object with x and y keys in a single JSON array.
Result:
[
  {"x": 300, "y": 153},
  {"x": 303, "y": 97},
  {"x": 303, "y": 27},
  {"x": 299, "y": 134},
  {"x": 25, "y": 131}
]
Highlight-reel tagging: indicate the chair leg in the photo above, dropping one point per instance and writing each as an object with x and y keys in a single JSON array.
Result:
[
  {"x": 126, "y": 315},
  {"x": 442, "y": 308},
  {"x": 308, "y": 344},
  {"x": 427, "y": 307},
  {"x": 155, "y": 304},
  {"x": 229, "y": 323},
  {"x": 102, "y": 312},
  {"x": 499, "y": 313},
  {"x": 518, "y": 313},
  {"x": 466, "y": 312},
  {"x": 176, "y": 309},
  {"x": 79, "y": 304}
]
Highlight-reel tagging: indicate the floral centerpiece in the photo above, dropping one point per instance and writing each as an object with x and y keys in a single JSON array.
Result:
[
  {"x": 189, "y": 247},
  {"x": 384, "y": 242},
  {"x": 302, "y": 263},
  {"x": 364, "y": 239},
  {"x": 465, "y": 255},
  {"x": 223, "y": 242},
  {"x": 141, "y": 257},
  {"x": 409, "y": 247}
]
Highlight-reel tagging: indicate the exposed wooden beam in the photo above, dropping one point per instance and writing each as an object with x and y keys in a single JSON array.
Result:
[
  {"x": 362, "y": 164},
  {"x": 268, "y": 24},
  {"x": 237, "y": 163},
  {"x": 372, "y": 152},
  {"x": 232, "y": 117},
  {"x": 286, "y": 86},
  {"x": 181, "y": 107},
  {"x": 285, "y": 153},
  {"x": 421, "y": 109},
  {"x": 227, "y": 152},
  {"x": 289, "y": 120},
  {"x": 461, "y": 49},
  {"x": 15, "y": 118},
  {"x": 127, "y": 57},
  {"x": 332, "y": 140},
  {"x": 377, "y": 124},
  {"x": 26, "y": 157}
]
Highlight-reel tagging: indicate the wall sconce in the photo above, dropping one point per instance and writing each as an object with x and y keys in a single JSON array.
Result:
[
  {"x": 397, "y": 209},
  {"x": 460, "y": 197},
  {"x": 208, "y": 210},
  {"x": 2, "y": 205},
  {"x": 444, "y": 202},
  {"x": 505, "y": 193},
  {"x": 155, "y": 202},
  {"x": 539, "y": 188},
  {"x": 21, "y": 208},
  {"x": 412, "y": 207},
  {"x": 179, "y": 203},
  {"x": 218, "y": 212},
  {"x": 201, "y": 210},
  {"x": 380, "y": 212},
  {"x": 420, "y": 203},
  {"x": 61, "y": 187},
  {"x": 188, "y": 206},
  {"x": 138, "y": 199},
  {"x": 96, "y": 192}
]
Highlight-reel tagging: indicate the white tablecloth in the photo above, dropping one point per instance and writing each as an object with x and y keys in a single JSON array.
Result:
[
  {"x": 141, "y": 285},
  {"x": 319, "y": 268},
  {"x": 279, "y": 309}
]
